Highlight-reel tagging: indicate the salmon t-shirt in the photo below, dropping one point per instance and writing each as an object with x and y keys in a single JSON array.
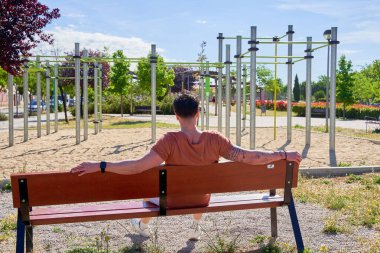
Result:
[{"x": 175, "y": 149}]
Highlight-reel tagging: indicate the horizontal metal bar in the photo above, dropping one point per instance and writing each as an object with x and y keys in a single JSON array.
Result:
[
  {"x": 313, "y": 49},
  {"x": 278, "y": 57},
  {"x": 293, "y": 42}
]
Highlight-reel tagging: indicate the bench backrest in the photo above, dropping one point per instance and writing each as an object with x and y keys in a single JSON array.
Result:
[{"x": 53, "y": 188}]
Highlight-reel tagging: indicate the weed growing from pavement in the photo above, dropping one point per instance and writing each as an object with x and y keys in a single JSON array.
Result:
[
  {"x": 222, "y": 242},
  {"x": 356, "y": 198},
  {"x": 333, "y": 225}
]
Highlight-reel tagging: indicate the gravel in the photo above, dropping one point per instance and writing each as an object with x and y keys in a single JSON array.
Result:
[{"x": 173, "y": 232}]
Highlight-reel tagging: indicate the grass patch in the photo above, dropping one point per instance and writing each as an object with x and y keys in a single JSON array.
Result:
[
  {"x": 7, "y": 226},
  {"x": 344, "y": 164},
  {"x": 345, "y": 131},
  {"x": 3, "y": 117},
  {"x": 115, "y": 123},
  {"x": 222, "y": 242},
  {"x": 333, "y": 226},
  {"x": 355, "y": 198}
]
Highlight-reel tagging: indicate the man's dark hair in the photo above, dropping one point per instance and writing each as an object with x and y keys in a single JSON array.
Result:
[{"x": 186, "y": 105}]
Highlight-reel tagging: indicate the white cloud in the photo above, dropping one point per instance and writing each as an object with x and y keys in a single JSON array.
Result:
[
  {"x": 340, "y": 9},
  {"x": 74, "y": 15},
  {"x": 201, "y": 21},
  {"x": 348, "y": 51},
  {"x": 360, "y": 37},
  {"x": 64, "y": 39}
]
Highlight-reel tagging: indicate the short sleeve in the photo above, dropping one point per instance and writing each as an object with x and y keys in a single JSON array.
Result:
[
  {"x": 163, "y": 147},
  {"x": 224, "y": 144}
]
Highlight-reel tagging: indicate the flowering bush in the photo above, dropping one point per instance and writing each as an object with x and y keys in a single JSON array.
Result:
[{"x": 355, "y": 111}]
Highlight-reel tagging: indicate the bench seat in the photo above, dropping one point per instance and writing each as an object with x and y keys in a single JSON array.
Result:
[{"x": 136, "y": 209}]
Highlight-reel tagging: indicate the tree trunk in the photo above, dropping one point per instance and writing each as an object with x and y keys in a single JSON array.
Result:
[
  {"x": 131, "y": 106},
  {"x": 121, "y": 104},
  {"x": 344, "y": 111},
  {"x": 64, "y": 102}
]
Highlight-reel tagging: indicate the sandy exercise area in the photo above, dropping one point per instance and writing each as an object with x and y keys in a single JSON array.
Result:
[{"x": 59, "y": 152}]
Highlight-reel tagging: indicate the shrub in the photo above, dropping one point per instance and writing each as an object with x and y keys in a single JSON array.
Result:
[{"x": 3, "y": 117}]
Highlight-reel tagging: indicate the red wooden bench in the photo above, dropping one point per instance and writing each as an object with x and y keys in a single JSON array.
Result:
[{"x": 31, "y": 191}]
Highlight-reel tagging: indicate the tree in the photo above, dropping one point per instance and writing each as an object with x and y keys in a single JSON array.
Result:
[
  {"x": 67, "y": 86},
  {"x": 183, "y": 77},
  {"x": 296, "y": 89},
  {"x": 164, "y": 76},
  {"x": 367, "y": 83},
  {"x": 274, "y": 85},
  {"x": 344, "y": 83},
  {"x": 120, "y": 77},
  {"x": 21, "y": 24},
  {"x": 264, "y": 75}
]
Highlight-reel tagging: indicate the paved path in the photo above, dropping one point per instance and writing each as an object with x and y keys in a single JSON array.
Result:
[
  {"x": 261, "y": 121},
  {"x": 32, "y": 121}
]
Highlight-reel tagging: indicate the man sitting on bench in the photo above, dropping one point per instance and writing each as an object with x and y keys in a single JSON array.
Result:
[{"x": 189, "y": 146}]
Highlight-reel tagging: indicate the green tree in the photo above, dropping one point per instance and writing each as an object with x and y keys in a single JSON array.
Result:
[
  {"x": 120, "y": 77},
  {"x": 296, "y": 89},
  {"x": 345, "y": 83},
  {"x": 274, "y": 85},
  {"x": 264, "y": 76},
  {"x": 367, "y": 83},
  {"x": 164, "y": 76}
]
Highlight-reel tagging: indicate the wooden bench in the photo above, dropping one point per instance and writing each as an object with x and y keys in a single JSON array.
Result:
[
  {"x": 146, "y": 109},
  {"x": 371, "y": 121},
  {"x": 31, "y": 191},
  {"x": 318, "y": 112}
]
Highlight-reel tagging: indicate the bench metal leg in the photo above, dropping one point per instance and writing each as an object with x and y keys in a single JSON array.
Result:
[
  {"x": 20, "y": 234},
  {"x": 273, "y": 217},
  {"x": 295, "y": 225},
  {"x": 29, "y": 238}
]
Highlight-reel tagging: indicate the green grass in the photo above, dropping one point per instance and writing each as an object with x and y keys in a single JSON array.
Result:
[
  {"x": 7, "y": 227},
  {"x": 332, "y": 225},
  {"x": 355, "y": 198},
  {"x": 345, "y": 131},
  {"x": 114, "y": 123}
]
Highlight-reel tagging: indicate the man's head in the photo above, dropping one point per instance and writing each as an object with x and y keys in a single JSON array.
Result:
[{"x": 186, "y": 106}]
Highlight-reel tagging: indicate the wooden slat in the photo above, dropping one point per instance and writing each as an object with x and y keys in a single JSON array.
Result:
[
  {"x": 53, "y": 188},
  {"x": 44, "y": 216}
]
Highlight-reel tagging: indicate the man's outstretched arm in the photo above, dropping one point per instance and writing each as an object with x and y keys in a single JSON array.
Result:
[
  {"x": 127, "y": 167},
  {"x": 254, "y": 157}
]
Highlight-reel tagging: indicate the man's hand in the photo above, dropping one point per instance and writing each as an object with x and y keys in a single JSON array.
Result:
[
  {"x": 293, "y": 156},
  {"x": 86, "y": 168}
]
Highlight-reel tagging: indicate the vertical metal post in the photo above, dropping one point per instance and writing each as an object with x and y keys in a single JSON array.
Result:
[
  {"x": 10, "y": 110},
  {"x": 47, "y": 98},
  {"x": 228, "y": 90},
  {"x": 26, "y": 98},
  {"x": 252, "y": 115},
  {"x": 238, "y": 89},
  {"x": 77, "y": 93},
  {"x": 56, "y": 98},
  {"x": 334, "y": 42},
  {"x": 327, "y": 88},
  {"x": 96, "y": 120},
  {"x": 244, "y": 96},
  {"x": 208, "y": 99},
  {"x": 100, "y": 97},
  {"x": 85, "y": 96},
  {"x": 308, "y": 91},
  {"x": 202, "y": 86},
  {"x": 275, "y": 39},
  {"x": 153, "y": 63},
  {"x": 290, "y": 86},
  {"x": 20, "y": 239},
  {"x": 273, "y": 216},
  {"x": 38, "y": 77},
  {"x": 220, "y": 76}
]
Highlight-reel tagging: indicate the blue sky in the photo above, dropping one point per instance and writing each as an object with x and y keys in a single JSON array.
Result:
[{"x": 178, "y": 27}]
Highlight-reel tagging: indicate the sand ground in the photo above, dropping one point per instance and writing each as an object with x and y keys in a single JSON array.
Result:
[{"x": 59, "y": 152}]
